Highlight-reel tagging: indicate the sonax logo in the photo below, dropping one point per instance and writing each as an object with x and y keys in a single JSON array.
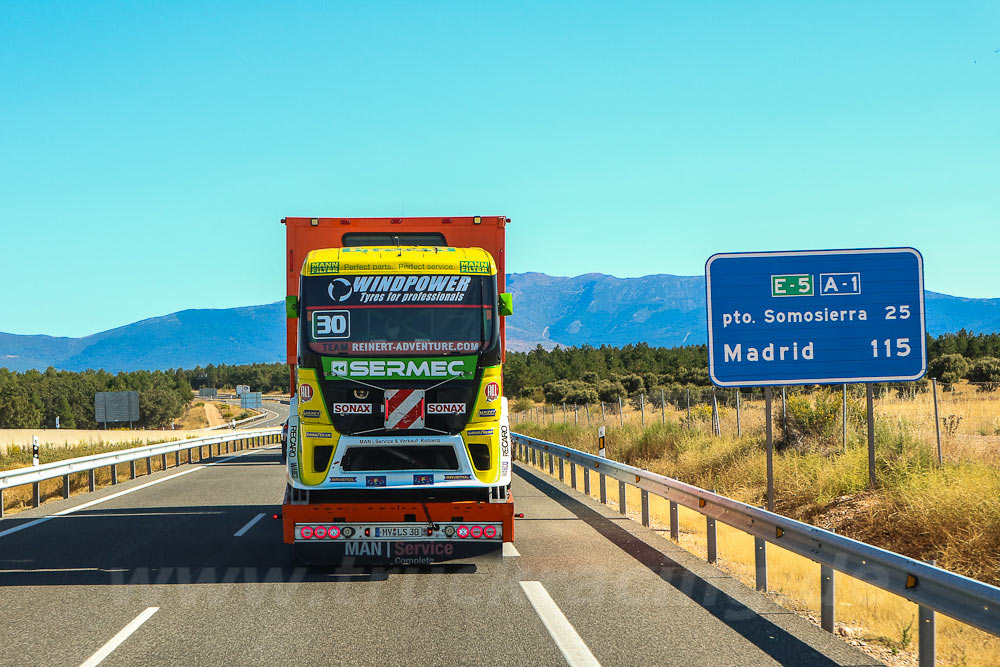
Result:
[{"x": 351, "y": 408}]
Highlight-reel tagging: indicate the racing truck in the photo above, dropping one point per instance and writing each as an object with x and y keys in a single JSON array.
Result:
[{"x": 398, "y": 448}]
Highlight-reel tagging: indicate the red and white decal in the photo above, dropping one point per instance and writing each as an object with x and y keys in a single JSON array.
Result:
[
  {"x": 492, "y": 391},
  {"x": 404, "y": 408},
  {"x": 351, "y": 408},
  {"x": 446, "y": 408},
  {"x": 305, "y": 392}
]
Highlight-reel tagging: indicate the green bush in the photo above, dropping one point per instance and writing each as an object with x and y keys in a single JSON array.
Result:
[{"x": 811, "y": 421}]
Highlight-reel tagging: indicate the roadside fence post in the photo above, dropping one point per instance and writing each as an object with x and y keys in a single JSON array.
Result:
[
  {"x": 687, "y": 393},
  {"x": 937, "y": 421},
  {"x": 712, "y": 539},
  {"x": 663, "y": 408},
  {"x": 715, "y": 414},
  {"x": 760, "y": 563},
  {"x": 827, "y": 597},
  {"x": 926, "y": 635},
  {"x": 564, "y": 413},
  {"x": 642, "y": 408},
  {"x": 621, "y": 416},
  {"x": 674, "y": 523},
  {"x": 604, "y": 418},
  {"x": 588, "y": 414},
  {"x": 576, "y": 415}
]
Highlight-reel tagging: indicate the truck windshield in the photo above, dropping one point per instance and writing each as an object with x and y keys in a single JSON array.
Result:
[{"x": 399, "y": 314}]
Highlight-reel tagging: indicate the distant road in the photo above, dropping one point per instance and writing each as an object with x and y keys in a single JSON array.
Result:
[
  {"x": 277, "y": 413},
  {"x": 187, "y": 567}
]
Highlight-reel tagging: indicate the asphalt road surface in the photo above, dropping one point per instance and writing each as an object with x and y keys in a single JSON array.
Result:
[{"x": 187, "y": 567}]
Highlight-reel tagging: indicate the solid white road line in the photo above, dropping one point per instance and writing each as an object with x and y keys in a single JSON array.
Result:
[
  {"x": 242, "y": 531},
  {"x": 562, "y": 631},
  {"x": 71, "y": 510},
  {"x": 510, "y": 551},
  {"x": 122, "y": 635}
]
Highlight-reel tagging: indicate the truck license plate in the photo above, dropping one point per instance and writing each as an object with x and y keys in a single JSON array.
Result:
[{"x": 402, "y": 531}]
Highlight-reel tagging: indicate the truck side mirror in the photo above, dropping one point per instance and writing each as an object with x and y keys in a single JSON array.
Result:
[
  {"x": 506, "y": 305},
  {"x": 291, "y": 307}
]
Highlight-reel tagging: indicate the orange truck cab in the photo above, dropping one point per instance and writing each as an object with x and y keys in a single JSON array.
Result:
[{"x": 398, "y": 447}]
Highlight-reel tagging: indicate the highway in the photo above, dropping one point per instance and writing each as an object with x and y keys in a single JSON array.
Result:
[
  {"x": 277, "y": 413},
  {"x": 187, "y": 567}
]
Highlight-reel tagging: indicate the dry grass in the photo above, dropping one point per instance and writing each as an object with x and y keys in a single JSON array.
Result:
[
  {"x": 948, "y": 513},
  {"x": 879, "y": 622}
]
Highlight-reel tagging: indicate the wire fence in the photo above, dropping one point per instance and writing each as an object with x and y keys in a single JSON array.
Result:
[{"x": 960, "y": 420}]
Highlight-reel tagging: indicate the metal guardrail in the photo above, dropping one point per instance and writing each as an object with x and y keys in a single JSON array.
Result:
[
  {"x": 233, "y": 441},
  {"x": 932, "y": 588}
]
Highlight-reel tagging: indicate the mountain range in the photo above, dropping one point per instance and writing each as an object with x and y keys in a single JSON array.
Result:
[{"x": 594, "y": 309}]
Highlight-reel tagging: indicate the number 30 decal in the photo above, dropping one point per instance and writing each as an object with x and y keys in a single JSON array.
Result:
[{"x": 331, "y": 324}]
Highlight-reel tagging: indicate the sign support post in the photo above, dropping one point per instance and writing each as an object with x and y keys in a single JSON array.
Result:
[
  {"x": 869, "y": 399},
  {"x": 768, "y": 427}
]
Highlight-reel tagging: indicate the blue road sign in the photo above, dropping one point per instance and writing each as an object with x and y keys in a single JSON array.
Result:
[{"x": 815, "y": 317}]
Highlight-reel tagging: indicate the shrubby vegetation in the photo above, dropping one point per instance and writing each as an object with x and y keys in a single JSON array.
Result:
[
  {"x": 34, "y": 399},
  {"x": 586, "y": 374}
]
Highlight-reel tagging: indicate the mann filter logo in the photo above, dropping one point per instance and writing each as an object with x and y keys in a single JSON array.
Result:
[
  {"x": 446, "y": 408},
  {"x": 351, "y": 408},
  {"x": 305, "y": 392},
  {"x": 474, "y": 267},
  {"x": 410, "y": 369},
  {"x": 404, "y": 408},
  {"x": 323, "y": 268},
  {"x": 331, "y": 324},
  {"x": 492, "y": 391}
]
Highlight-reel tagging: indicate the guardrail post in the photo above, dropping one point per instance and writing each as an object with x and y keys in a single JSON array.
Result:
[
  {"x": 560, "y": 469},
  {"x": 675, "y": 528},
  {"x": 551, "y": 464},
  {"x": 177, "y": 458},
  {"x": 760, "y": 563},
  {"x": 644, "y": 498},
  {"x": 65, "y": 486},
  {"x": 713, "y": 542},
  {"x": 586, "y": 480},
  {"x": 163, "y": 461},
  {"x": 131, "y": 469},
  {"x": 827, "y": 598},
  {"x": 149, "y": 466},
  {"x": 604, "y": 488},
  {"x": 926, "y": 635},
  {"x": 621, "y": 497},
  {"x": 572, "y": 474},
  {"x": 114, "y": 473},
  {"x": 191, "y": 455},
  {"x": 1, "y": 503},
  {"x": 93, "y": 482},
  {"x": 36, "y": 499}
]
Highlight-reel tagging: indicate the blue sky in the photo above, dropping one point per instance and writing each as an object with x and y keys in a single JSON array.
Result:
[{"x": 149, "y": 150}]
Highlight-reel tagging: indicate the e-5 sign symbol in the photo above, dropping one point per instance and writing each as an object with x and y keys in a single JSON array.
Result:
[
  {"x": 794, "y": 285},
  {"x": 331, "y": 324}
]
